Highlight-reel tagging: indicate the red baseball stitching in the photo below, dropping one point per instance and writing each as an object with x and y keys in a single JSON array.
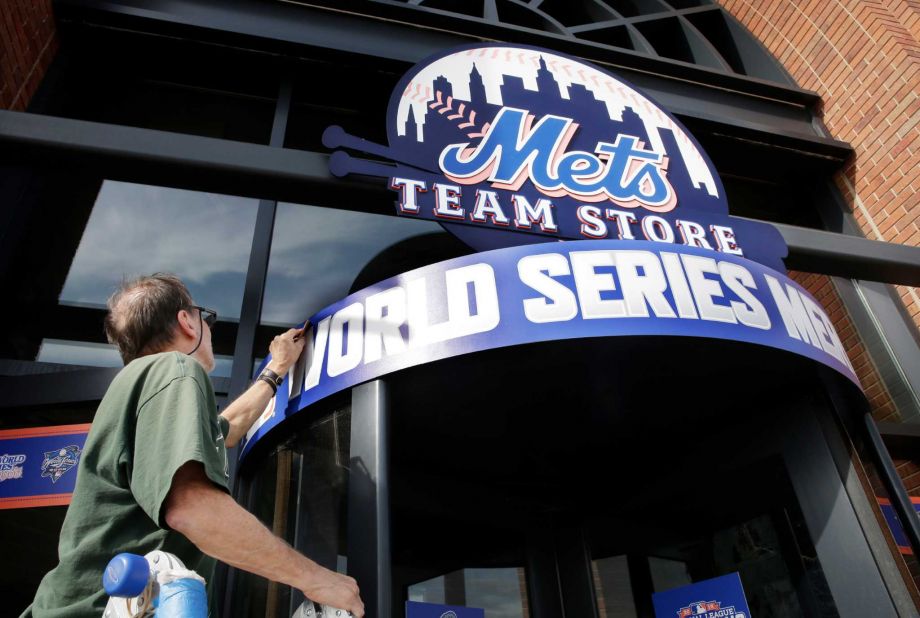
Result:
[{"x": 463, "y": 115}]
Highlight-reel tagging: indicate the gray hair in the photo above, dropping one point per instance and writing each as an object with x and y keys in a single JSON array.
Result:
[{"x": 142, "y": 314}]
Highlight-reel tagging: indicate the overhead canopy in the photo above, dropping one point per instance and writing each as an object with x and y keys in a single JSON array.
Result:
[{"x": 603, "y": 296}]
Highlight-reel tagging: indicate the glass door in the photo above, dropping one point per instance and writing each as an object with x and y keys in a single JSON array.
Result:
[{"x": 681, "y": 537}]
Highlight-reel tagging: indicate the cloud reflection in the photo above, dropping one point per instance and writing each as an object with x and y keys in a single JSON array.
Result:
[
  {"x": 318, "y": 252},
  {"x": 134, "y": 229},
  {"x": 88, "y": 354}
]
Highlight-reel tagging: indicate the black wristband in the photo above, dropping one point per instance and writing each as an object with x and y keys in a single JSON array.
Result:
[
  {"x": 271, "y": 378},
  {"x": 269, "y": 381}
]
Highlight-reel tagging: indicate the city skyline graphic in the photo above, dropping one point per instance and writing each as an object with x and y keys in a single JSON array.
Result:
[{"x": 452, "y": 100}]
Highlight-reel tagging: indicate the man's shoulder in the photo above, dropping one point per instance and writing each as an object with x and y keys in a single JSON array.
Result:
[
  {"x": 144, "y": 377},
  {"x": 163, "y": 367}
]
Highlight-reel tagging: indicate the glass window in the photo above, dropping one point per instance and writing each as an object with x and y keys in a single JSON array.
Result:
[
  {"x": 613, "y": 587},
  {"x": 318, "y": 253},
  {"x": 767, "y": 563},
  {"x": 81, "y": 236},
  {"x": 501, "y": 592},
  {"x": 134, "y": 229},
  {"x": 92, "y": 354},
  {"x": 300, "y": 491},
  {"x": 668, "y": 574}
]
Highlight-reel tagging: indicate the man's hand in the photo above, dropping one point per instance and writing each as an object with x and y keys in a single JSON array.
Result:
[
  {"x": 243, "y": 412},
  {"x": 333, "y": 589},
  {"x": 285, "y": 350},
  {"x": 208, "y": 517}
]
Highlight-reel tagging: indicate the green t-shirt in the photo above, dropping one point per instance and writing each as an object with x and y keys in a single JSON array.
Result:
[{"x": 158, "y": 414}]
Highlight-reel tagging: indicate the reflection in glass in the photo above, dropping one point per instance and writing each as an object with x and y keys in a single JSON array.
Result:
[
  {"x": 91, "y": 354},
  {"x": 300, "y": 492},
  {"x": 668, "y": 574},
  {"x": 78, "y": 353},
  {"x": 613, "y": 587},
  {"x": 134, "y": 229},
  {"x": 317, "y": 253},
  {"x": 501, "y": 593}
]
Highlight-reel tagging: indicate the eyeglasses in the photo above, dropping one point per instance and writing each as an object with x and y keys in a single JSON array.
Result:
[{"x": 208, "y": 316}]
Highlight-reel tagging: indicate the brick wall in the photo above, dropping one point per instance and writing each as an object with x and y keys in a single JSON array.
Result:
[
  {"x": 822, "y": 288},
  {"x": 863, "y": 58},
  {"x": 27, "y": 45}
]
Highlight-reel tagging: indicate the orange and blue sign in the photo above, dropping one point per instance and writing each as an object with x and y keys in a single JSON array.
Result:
[
  {"x": 38, "y": 465},
  {"x": 719, "y": 597},
  {"x": 894, "y": 523}
]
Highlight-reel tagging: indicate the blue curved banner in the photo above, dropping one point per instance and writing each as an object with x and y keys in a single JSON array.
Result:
[{"x": 545, "y": 292}]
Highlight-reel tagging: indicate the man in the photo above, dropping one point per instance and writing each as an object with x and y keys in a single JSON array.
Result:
[{"x": 153, "y": 473}]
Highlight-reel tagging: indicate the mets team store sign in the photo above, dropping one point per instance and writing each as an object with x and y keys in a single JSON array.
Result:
[
  {"x": 513, "y": 149},
  {"x": 496, "y": 139}
]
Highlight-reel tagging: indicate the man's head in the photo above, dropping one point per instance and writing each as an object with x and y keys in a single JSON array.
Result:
[{"x": 156, "y": 313}]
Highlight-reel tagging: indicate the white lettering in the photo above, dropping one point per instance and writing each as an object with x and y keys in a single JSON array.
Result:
[
  {"x": 795, "y": 318},
  {"x": 692, "y": 234},
  {"x": 590, "y": 284},
  {"x": 350, "y": 319},
  {"x": 679, "y": 287},
  {"x": 623, "y": 218},
  {"x": 725, "y": 239},
  {"x": 315, "y": 353},
  {"x": 525, "y": 214},
  {"x": 705, "y": 289},
  {"x": 487, "y": 204},
  {"x": 643, "y": 290},
  {"x": 749, "y": 311},
  {"x": 408, "y": 193},
  {"x": 382, "y": 328},
  {"x": 592, "y": 226},
  {"x": 656, "y": 229},
  {"x": 447, "y": 201},
  {"x": 558, "y": 303},
  {"x": 461, "y": 320}
]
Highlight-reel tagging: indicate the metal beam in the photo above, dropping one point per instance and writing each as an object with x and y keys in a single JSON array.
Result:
[
  {"x": 369, "y": 497},
  {"x": 399, "y": 36},
  {"x": 850, "y": 256},
  {"x": 393, "y": 31},
  {"x": 901, "y": 439},
  {"x": 64, "y": 387},
  {"x": 174, "y": 159},
  {"x": 253, "y": 170}
]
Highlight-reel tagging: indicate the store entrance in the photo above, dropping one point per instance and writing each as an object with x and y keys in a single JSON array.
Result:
[
  {"x": 583, "y": 490},
  {"x": 616, "y": 564},
  {"x": 529, "y": 549}
]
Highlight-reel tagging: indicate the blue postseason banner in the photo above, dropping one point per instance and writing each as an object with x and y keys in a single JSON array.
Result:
[
  {"x": 38, "y": 465},
  {"x": 894, "y": 523},
  {"x": 720, "y": 597},
  {"x": 546, "y": 292},
  {"x": 415, "y": 609}
]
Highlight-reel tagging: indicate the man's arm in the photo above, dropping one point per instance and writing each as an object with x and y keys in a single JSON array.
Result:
[
  {"x": 245, "y": 409},
  {"x": 219, "y": 527}
]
